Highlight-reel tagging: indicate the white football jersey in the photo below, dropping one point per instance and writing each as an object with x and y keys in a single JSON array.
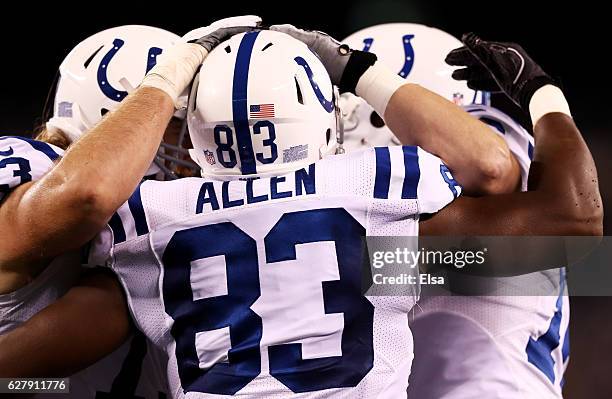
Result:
[
  {"x": 500, "y": 346},
  {"x": 137, "y": 368},
  {"x": 253, "y": 286}
]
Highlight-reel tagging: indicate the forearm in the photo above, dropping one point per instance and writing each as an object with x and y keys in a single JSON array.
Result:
[
  {"x": 563, "y": 200},
  {"x": 67, "y": 207},
  {"x": 86, "y": 324},
  {"x": 111, "y": 159},
  {"x": 564, "y": 173},
  {"x": 479, "y": 159}
]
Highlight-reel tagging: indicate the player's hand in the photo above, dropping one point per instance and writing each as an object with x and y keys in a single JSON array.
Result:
[
  {"x": 496, "y": 66},
  {"x": 177, "y": 66},
  {"x": 343, "y": 64}
]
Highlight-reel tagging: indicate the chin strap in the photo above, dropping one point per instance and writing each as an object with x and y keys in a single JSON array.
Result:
[{"x": 339, "y": 122}]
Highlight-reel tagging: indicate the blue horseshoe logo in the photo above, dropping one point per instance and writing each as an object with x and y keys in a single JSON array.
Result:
[
  {"x": 408, "y": 53},
  {"x": 108, "y": 90},
  {"x": 327, "y": 105},
  {"x": 367, "y": 43},
  {"x": 408, "y": 56}
]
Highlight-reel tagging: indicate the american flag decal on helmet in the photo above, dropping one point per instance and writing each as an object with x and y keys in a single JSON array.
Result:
[{"x": 259, "y": 111}]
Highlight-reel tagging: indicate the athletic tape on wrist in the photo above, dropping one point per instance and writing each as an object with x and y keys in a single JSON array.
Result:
[
  {"x": 545, "y": 100},
  {"x": 377, "y": 85}
]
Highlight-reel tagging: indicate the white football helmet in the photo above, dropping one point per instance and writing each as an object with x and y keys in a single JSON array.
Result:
[
  {"x": 417, "y": 53},
  {"x": 262, "y": 104},
  {"x": 100, "y": 72}
]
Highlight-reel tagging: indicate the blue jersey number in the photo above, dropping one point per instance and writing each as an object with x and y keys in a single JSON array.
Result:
[
  {"x": 243, "y": 289},
  {"x": 448, "y": 178},
  {"x": 225, "y": 145},
  {"x": 23, "y": 171}
]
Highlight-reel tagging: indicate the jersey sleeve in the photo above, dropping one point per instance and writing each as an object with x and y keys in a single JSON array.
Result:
[
  {"x": 519, "y": 140},
  {"x": 411, "y": 173},
  {"x": 128, "y": 223},
  {"x": 23, "y": 160}
]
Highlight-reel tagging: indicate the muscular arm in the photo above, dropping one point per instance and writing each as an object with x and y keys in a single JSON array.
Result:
[
  {"x": 479, "y": 159},
  {"x": 67, "y": 207},
  {"x": 83, "y": 326},
  {"x": 563, "y": 196}
]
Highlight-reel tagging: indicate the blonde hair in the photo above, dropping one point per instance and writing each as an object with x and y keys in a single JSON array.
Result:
[{"x": 55, "y": 137}]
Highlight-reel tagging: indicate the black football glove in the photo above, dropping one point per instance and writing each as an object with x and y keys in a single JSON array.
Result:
[
  {"x": 496, "y": 66},
  {"x": 344, "y": 65}
]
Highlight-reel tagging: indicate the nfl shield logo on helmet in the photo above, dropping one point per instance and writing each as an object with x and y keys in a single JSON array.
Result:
[
  {"x": 458, "y": 98},
  {"x": 210, "y": 157}
]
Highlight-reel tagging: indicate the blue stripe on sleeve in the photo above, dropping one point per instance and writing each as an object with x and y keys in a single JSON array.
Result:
[
  {"x": 137, "y": 210},
  {"x": 118, "y": 231},
  {"x": 383, "y": 173},
  {"x": 412, "y": 172},
  {"x": 37, "y": 145},
  {"x": 539, "y": 352}
]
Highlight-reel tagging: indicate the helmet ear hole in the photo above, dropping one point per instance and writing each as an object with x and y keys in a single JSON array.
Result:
[
  {"x": 327, "y": 135},
  {"x": 103, "y": 111},
  {"x": 376, "y": 120},
  {"x": 300, "y": 97}
]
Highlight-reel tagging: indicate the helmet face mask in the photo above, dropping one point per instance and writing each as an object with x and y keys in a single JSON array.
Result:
[
  {"x": 99, "y": 73},
  {"x": 417, "y": 52},
  {"x": 274, "y": 111}
]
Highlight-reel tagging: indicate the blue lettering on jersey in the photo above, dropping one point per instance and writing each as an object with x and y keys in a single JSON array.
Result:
[
  {"x": 7, "y": 153},
  {"x": 274, "y": 193},
  {"x": 305, "y": 184},
  {"x": 227, "y": 202},
  {"x": 306, "y": 180},
  {"x": 207, "y": 196},
  {"x": 253, "y": 199}
]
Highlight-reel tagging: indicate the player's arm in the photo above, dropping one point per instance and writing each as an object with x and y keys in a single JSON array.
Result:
[
  {"x": 563, "y": 196},
  {"x": 68, "y": 206},
  {"x": 87, "y": 323},
  {"x": 479, "y": 159}
]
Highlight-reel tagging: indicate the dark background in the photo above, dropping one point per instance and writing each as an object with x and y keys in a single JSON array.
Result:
[{"x": 570, "y": 41}]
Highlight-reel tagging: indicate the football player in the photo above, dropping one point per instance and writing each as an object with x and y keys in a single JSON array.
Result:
[
  {"x": 250, "y": 278},
  {"x": 490, "y": 346},
  {"x": 60, "y": 210},
  {"x": 295, "y": 155}
]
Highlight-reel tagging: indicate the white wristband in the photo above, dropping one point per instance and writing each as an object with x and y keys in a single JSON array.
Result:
[
  {"x": 377, "y": 85},
  {"x": 175, "y": 69},
  {"x": 545, "y": 100}
]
